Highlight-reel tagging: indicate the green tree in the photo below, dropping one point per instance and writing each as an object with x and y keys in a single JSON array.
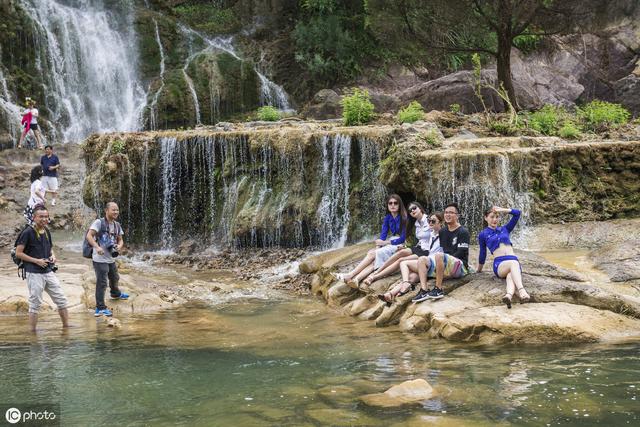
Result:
[{"x": 488, "y": 27}]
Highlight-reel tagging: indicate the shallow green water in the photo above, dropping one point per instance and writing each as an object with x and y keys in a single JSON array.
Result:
[{"x": 295, "y": 362}]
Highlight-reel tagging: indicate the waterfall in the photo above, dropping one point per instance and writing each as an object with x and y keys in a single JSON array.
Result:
[
  {"x": 170, "y": 183},
  {"x": 478, "y": 181},
  {"x": 10, "y": 113},
  {"x": 270, "y": 93},
  {"x": 144, "y": 188},
  {"x": 153, "y": 108},
  {"x": 333, "y": 212},
  {"x": 87, "y": 59}
]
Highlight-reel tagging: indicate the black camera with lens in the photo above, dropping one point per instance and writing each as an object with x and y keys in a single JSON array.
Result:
[
  {"x": 111, "y": 245},
  {"x": 52, "y": 266}
]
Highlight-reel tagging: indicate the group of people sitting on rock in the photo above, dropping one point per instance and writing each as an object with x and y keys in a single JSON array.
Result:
[{"x": 441, "y": 251}]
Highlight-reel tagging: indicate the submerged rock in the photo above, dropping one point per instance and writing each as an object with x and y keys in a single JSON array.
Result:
[{"x": 413, "y": 391}]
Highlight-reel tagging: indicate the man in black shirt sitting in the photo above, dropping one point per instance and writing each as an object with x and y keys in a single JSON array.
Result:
[
  {"x": 453, "y": 263},
  {"x": 35, "y": 249}
]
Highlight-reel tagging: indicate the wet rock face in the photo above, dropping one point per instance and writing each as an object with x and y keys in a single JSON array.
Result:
[
  {"x": 319, "y": 184},
  {"x": 564, "y": 306}
]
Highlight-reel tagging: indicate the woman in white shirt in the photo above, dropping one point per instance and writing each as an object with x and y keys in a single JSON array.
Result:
[{"x": 38, "y": 193}]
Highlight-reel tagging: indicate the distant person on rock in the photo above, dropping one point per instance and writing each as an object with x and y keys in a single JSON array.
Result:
[
  {"x": 30, "y": 122},
  {"x": 392, "y": 237},
  {"x": 452, "y": 263},
  {"x": 37, "y": 194},
  {"x": 105, "y": 237},
  {"x": 505, "y": 263},
  {"x": 428, "y": 244},
  {"x": 50, "y": 165},
  {"x": 423, "y": 232},
  {"x": 35, "y": 249}
]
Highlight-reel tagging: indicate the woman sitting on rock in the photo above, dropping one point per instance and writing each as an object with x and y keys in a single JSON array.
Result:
[
  {"x": 409, "y": 265},
  {"x": 422, "y": 247},
  {"x": 505, "y": 263},
  {"x": 393, "y": 225}
]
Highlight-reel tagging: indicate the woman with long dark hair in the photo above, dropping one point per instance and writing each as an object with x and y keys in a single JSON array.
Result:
[
  {"x": 37, "y": 193},
  {"x": 392, "y": 237},
  {"x": 505, "y": 263},
  {"x": 424, "y": 243}
]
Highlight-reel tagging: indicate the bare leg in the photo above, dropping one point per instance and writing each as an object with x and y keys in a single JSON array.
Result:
[
  {"x": 395, "y": 257},
  {"x": 24, "y": 133},
  {"x": 364, "y": 273},
  {"x": 439, "y": 269},
  {"x": 512, "y": 268},
  {"x": 368, "y": 260},
  {"x": 38, "y": 140},
  {"x": 64, "y": 316},
  {"x": 390, "y": 269},
  {"x": 33, "y": 321},
  {"x": 424, "y": 263},
  {"x": 406, "y": 267}
]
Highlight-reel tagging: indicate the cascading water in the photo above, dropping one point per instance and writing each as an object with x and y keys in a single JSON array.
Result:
[
  {"x": 478, "y": 181},
  {"x": 87, "y": 58},
  {"x": 153, "y": 108},
  {"x": 9, "y": 112},
  {"x": 231, "y": 190},
  {"x": 333, "y": 212}
]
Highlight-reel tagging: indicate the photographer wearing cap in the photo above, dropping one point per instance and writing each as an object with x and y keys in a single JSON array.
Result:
[
  {"x": 105, "y": 237},
  {"x": 35, "y": 249}
]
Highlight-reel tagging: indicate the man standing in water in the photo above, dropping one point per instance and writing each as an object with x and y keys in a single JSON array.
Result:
[
  {"x": 35, "y": 249},
  {"x": 453, "y": 263},
  {"x": 105, "y": 237},
  {"x": 50, "y": 165}
]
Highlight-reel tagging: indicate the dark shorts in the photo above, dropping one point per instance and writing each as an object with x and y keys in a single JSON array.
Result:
[
  {"x": 33, "y": 126},
  {"x": 498, "y": 260},
  {"x": 417, "y": 250}
]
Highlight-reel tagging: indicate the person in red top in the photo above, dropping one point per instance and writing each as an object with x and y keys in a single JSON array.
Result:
[{"x": 30, "y": 122}]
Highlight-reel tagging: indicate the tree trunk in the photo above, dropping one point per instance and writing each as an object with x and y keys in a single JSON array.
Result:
[{"x": 504, "y": 69}]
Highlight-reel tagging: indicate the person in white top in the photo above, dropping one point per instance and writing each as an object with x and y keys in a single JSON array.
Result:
[
  {"x": 428, "y": 245},
  {"x": 33, "y": 123},
  {"x": 423, "y": 236},
  {"x": 37, "y": 194}
]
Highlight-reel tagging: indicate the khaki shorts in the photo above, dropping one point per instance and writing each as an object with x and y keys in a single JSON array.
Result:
[
  {"x": 37, "y": 283},
  {"x": 50, "y": 183}
]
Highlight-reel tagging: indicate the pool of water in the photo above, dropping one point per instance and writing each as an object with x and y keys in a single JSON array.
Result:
[{"x": 297, "y": 362}]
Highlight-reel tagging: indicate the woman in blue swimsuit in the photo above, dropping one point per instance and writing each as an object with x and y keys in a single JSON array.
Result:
[{"x": 505, "y": 262}]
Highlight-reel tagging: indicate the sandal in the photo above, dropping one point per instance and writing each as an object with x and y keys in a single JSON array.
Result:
[
  {"x": 406, "y": 291},
  {"x": 524, "y": 296},
  {"x": 383, "y": 298},
  {"x": 353, "y": 284},
  {"x": 507, "y": 300},
  {"x": 368, "y": 281}
]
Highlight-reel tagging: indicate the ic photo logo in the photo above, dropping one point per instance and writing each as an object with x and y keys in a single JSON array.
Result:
[
  {"x": 31, "y": 415},
  {"x": 13, "y": 415}
]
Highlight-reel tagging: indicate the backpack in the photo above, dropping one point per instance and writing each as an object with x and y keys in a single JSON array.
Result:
[
  {"x": 17, "y": 261},
  {"x": 87, "y": 249}
]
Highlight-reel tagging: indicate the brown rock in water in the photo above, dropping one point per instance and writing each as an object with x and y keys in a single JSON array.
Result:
[
  {"x": 187, "y": 247},
  {"x": 413, "y": 391},
  {"x": 114, "y": 323}
]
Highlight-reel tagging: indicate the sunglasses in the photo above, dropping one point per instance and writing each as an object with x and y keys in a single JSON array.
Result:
[
  {"x": 393, "y": 203},
  {"x": 432, "y": 221},
  {"x": 413, "y": 208}
]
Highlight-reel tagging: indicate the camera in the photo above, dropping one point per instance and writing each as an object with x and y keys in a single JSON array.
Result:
[
  {"x": 52, "y": 265},
  {"x": 111, "y": 246}
]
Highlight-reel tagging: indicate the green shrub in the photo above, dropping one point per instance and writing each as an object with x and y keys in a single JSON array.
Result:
[
  {"x": 547, "y": 120},
  {"x": 502, "y": 127},
  {"x": 599, "y": 116},
  {"x": 268, "y": 114},
  {"x": 455, "y": 108},
  {"x": 357, "y": 109},
  {"x": 569, "y": 130},
  {"x": 117, "y": 146},
  {"x": 411, "y": 113}
]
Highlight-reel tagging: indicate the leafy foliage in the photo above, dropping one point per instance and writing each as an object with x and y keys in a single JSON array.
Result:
[
  {"x": 411, "y": 113},
  {"x": 599, "y": 115},
  {"x": 547, "y": 120},
  {"x": 118, "y": 146},
  {"x": 569, "y": 131},
  {"x": 357, "y": 108},
  {"x": 268, "y": 114},
  {"x": 208, "y": 18}
]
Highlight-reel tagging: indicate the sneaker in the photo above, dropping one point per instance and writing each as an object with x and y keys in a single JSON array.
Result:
[
  {"x": 103, "y": 312},
  {"x": 435, "y": 293},
  {"x": 422, "y": 295},
  {"x": 121, "y": 296}
]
